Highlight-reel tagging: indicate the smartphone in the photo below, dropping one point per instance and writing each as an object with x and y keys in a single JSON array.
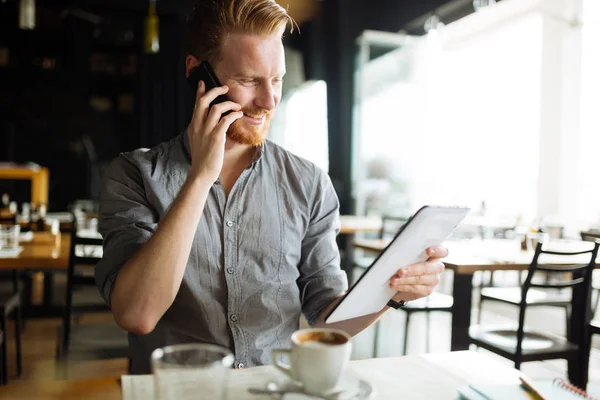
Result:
[{"x": 205, "y": 73}]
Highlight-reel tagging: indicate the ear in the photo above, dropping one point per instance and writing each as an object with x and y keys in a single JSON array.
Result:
[{"x": 191, "y": 62}]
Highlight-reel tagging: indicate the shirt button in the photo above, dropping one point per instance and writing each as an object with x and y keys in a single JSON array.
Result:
[
  {"x": 241, "y": 365},
  {"x": 233, "y": 317},
  {"x": 230, "y": 223},
  {"x": 230, "y": 270}
]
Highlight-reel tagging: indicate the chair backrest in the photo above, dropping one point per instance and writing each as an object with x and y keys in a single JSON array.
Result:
[
  {"x": 589, "y": 236},
  {"x": 390, "y": 225},
  {"x": 579, "y": 273},
  {"x": 83, "y": 253}
]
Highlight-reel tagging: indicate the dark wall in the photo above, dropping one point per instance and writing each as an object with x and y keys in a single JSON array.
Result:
[{"x": 76, "y": 92}]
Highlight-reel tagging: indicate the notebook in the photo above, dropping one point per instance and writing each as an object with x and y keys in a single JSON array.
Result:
[{"x": 558, "y": 389}]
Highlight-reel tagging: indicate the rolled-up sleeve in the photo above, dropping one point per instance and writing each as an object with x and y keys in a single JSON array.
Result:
[
  {"x": 321, "y": 279},
  {"x": 126, "y": 220}
]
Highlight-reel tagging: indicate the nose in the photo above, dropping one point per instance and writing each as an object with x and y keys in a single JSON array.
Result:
[{"x": 267, "y": 96}]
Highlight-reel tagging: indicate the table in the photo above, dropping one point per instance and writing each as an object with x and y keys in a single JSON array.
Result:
[
  {"x": 37, "y": 175},
  {"x": 469, "y": 256},
  {"x": 349, "y": 226},
  {"x": 429, "y": 376},
  {"x": 45, "y": 251},
  {"x": 89, "y": 389}
]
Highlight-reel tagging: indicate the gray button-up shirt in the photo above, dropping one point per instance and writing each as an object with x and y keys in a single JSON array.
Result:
[{"x": 259, "y": 257}]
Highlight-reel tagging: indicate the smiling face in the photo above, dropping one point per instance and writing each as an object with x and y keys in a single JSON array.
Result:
[{"x": 253, "y": 67}]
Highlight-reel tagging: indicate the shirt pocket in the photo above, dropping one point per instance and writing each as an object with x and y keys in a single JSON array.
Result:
[{"x": 261, "y": 245}]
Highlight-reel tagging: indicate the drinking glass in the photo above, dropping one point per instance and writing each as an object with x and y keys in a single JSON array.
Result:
[
  {"x": 191, "y": 371},
  {"x": 9, "y": 235}
]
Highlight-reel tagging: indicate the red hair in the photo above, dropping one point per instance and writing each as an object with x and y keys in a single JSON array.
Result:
[{"x": 210, "y": 20}]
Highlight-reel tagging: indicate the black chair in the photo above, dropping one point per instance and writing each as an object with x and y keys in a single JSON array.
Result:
[
  {"x": 435, "y": 302},
  {"x": 594, "y": 327},
  {"x": 512, "y": 296},
  {"x": 390, "y": 225},
  {"x": 1, "y": 355},
  {"x": 523, "y": 345},
  {"x": 10, "y": 304},
  {"x": 590, "y": 236},
  {"x": 87, "y": 340}
]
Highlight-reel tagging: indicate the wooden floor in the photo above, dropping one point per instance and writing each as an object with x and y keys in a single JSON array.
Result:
[{"x": 39, "y": 349}]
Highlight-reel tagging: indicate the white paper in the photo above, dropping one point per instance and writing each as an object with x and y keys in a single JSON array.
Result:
[
  {"x": 12, "y": 252},
  {"x": 26, "y": 236}
]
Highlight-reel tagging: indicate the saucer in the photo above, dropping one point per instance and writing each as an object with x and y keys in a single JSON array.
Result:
[
  {"x": 350, "y": 386},
  {"x": 362, "y": 391}
]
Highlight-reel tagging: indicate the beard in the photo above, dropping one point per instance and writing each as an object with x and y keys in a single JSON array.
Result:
[{"x": 245, "y": 133}]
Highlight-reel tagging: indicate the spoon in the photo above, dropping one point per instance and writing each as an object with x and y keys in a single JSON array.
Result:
[{"x": 273, "y": 389}]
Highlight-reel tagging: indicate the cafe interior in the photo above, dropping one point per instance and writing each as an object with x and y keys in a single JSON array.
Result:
[{"x": 485, "y": 104}]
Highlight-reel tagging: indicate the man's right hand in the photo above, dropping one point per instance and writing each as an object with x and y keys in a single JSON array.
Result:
[{"x": 207, "y": 129}]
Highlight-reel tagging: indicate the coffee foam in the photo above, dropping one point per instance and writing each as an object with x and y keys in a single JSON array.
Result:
[
  {"x": 322, "y": 338},
  {"x": 315, "y": 344}
]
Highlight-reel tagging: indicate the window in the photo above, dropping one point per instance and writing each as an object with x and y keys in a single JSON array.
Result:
[
  {"x": 300, "y": 123},
  {"x": 486, "y": 113}
]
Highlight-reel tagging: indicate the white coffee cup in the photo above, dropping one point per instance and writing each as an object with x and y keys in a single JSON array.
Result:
[{"x": 318, "y": 358}]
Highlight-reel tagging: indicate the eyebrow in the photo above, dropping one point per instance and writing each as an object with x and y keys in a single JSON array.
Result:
[{"x": 248, "y": 76}]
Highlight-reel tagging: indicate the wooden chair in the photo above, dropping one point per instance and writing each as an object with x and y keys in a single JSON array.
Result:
[
  {"x": 87, "y": 340},
  {"x": 523, "y": 345},
  {"x": 10, "y": 304}
]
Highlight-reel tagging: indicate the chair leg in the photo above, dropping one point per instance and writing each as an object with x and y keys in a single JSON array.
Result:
[
  {"x": 406, "y": 334},
  {"x": 567, "y": 319},
  {"x": 16, "y": 278},
  {"x": 4, "y": 375},
  {"x": 375, "y": 340},
  {"x": 521, "y": 279},
  {"x": 491, "y": 281},
  {"x": 1, "y": 366},
  {"x": 427, "y": 333},
  {"x": 479, "y": 309},
  {"x": 18, "y": 317}
]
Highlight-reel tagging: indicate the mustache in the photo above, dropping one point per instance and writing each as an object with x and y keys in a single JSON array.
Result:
[{"x": 255, "y": 112}]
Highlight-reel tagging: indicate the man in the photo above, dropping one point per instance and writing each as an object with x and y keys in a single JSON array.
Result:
[{"x": 219, "y": 236}]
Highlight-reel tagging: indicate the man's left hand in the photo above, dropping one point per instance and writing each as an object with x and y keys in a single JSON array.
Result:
[{"x": 419, "y": 280}]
